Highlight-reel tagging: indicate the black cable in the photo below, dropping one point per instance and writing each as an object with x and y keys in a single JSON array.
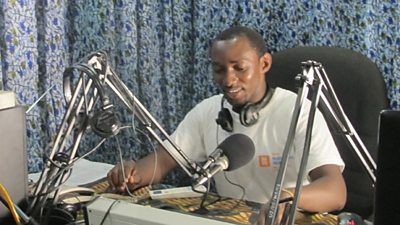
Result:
[
  {"x": 108, "y": 212},
  {"x": 4, "y": 202},
  {"x": 56, "y": 187},
  {"x": 56, "y": 176},
  {"x": 202, "y": 208},
  {"x": 60, "y": 218},
  {"x": 26, "y": 219},
  {"x": 44, "y": 196},
  {"x": 227, "y": 179},
  {"x": 70, "y": 165},
  {"x": 67, "y": 169}
]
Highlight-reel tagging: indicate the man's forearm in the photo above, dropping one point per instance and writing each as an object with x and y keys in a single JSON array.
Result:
[
  {"x": 154, "y": 167},
  {"x": 326, "y": 193}
]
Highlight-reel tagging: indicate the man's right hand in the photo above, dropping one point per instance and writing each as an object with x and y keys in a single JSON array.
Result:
[{"x": 116, "y": 178}]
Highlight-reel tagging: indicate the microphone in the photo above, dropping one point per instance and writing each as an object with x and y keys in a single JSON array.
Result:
[{"x": 234, "y": 152}]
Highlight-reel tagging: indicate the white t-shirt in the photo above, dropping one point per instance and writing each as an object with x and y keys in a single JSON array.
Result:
[{"x": 198, "y": 135}]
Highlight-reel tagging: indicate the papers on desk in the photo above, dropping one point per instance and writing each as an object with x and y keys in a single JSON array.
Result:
[{"x": 83, "y": 172}]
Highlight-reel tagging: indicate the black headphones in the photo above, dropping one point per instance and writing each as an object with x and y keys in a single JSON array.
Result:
[
  {"x": 248, "y": 114},
  {"x": 105, "y": 122}
]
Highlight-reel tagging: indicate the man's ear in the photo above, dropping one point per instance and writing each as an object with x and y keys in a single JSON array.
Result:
[{"x": 266, "y": 62}]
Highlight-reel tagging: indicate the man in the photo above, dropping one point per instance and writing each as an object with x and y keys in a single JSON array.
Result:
[{"x": 240, "y": 65}]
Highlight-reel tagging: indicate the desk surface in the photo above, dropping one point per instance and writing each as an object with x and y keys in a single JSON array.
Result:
[{"x": 222, "y": 209}]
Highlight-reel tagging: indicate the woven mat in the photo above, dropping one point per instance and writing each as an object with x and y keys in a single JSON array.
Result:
[{"x": 226, "y": 209}]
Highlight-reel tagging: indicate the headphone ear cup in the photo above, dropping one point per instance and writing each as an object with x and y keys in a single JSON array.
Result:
[
  {"x": 225, "y": 120},
  {"x": 249, "y": 115},
  {"x": 62, "y": 215},
  {"x": 105, "y": 123}
]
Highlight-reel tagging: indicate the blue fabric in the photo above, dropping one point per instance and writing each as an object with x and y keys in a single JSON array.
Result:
[{"x": 160, "y": 51}]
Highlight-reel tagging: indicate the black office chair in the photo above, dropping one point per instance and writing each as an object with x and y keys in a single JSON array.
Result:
[{"x": 361, "y": 91}]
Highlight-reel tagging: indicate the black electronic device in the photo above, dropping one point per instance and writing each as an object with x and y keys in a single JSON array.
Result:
[{"x": 387, "y": 191}]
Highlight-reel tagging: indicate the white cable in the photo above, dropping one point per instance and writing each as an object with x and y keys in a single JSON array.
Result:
[
  {"x": 40, "y": 98},
  {"x": 152, "y": 146},
  {"x": 122, "y": 167}
]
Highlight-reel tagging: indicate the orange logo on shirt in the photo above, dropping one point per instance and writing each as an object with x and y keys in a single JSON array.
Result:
[
  {"x": 264, "y": 161},
  {"x": 267, "y": 161}
]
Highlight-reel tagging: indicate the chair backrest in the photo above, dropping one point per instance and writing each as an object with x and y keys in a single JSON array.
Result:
[{"x": 361, "y": 91}]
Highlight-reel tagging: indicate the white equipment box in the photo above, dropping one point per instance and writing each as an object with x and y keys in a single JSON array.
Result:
[{"x": 117, "y": 212}]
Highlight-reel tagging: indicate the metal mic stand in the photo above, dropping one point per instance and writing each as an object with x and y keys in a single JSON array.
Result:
[
  {"x": 100, "y": 63},
  {"x": 93, "y": 74},
  {"x": 314, "y": 78},
  {"x": 58, "y": 167}
]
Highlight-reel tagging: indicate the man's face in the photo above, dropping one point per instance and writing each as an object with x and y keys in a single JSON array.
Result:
[{"x": 239, "y": 71}]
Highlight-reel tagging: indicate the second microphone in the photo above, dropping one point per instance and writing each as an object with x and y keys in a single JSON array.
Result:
[{"x": 234, "y": 152}]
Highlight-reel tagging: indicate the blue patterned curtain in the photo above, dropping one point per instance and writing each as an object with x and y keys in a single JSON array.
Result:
[{"x": 160, "y": 51}]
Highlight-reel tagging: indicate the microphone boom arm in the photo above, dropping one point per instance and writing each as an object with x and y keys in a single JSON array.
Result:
[
  {"x": 81, "y": 96},
  {"x": 99, "y": 62},
  {"x": 314, "y": 78},
  {"x": 58, "y": 166}
]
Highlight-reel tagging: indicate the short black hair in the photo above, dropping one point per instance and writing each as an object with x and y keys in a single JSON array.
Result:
[{"x": 255, "y": 39}]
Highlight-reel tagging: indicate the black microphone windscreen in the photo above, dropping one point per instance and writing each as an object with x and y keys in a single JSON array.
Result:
[{"x": 239, "y": 149}]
